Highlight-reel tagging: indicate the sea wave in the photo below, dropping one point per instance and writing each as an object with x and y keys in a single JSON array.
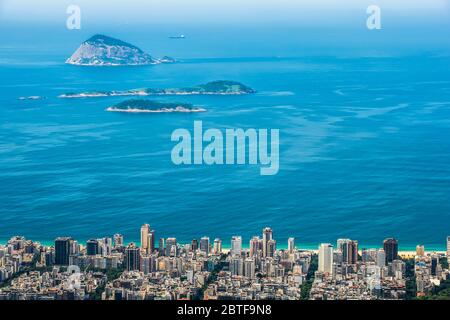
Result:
[{"x": 277, "y": 93}]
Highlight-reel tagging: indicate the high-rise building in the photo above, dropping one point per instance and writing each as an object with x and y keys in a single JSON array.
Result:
[
  {"x": 145, "y": 265},
  {"x": 75, "y": 248},
  {"x": 271, "y": 248},
  {"x": 448, "y": 249},
  {"x": 267, "y": 235},
  {"x": 381, "y": 258},
  {"x": 105, "y": 246},
  {"x": 236, "y": 245},
  {"x": 434, "y": 264},
  {"x": 420, "y": 250},
  {"x": 390, "y": 247},
  {"x": 161, "y": 246},
  {"x": 338, "y": 257},
  {"x": 92, "y": 247},
  {"x": 118, "y": 240},
  {"x": 63, "y": 250},
  {"x": 145, "y": 230},
  {"x": 370, "y": 255},
  {"x": 148, "y": 263},
  {"x": 349, "y": 250},
  {"x": 132, "y": 257},
  {"x": 151, "y": 242},
  {"x": 204, "y": 245},
  {"x": 249, "y": 268},
  {"x": 255, "y": 246},
  {"x": 398, "y": 269},
  {"x": 291, "y": 245},
  {"x": 47, "y": 258},
  {"x": 217, "y": 246},
  {"x": 325, "y": 258},
  {"x": 237, "y": 266},
  {"x": 194, "y": 245},
  {"x": 365, "y": 255},
  {"x": 171, "y": 247}
]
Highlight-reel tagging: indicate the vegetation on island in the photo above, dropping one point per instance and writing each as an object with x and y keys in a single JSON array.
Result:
[
  {"x": 214, "y": 87},
  {"x": 143, "y": 104},
  {"x": 109, "y": 41},
  {"x": 221, "y": 87}
]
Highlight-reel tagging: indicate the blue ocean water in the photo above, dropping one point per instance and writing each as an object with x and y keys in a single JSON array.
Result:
[{"x": 364, "y": 147}]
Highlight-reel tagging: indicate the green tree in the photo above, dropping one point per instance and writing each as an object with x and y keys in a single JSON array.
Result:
[{"x": 307, "y": 285}]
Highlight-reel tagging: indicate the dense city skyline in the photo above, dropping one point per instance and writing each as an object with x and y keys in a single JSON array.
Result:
[
  {"x": 227, "y": 242},
  {"x": 104, "y": 268}
]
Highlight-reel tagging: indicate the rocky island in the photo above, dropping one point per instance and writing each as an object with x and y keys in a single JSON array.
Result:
[
  {"x": 101, "y": 50},
  {"x": 149, "y": 106},
  {"x": 221, "y": 87}
]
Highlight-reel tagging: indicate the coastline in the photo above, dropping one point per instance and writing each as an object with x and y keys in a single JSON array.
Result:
[{"x": 406, "y": 251}]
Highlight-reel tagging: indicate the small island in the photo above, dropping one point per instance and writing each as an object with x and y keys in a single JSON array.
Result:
[
  {"x": 31, "y": 98},
  {"x": 101, "y": 50},
  {"x": 149, "y": 106},
  {"x": 221, "y": 87}
]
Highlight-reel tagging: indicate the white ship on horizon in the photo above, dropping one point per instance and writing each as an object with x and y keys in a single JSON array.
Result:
[{"x": 181, "y": 36}]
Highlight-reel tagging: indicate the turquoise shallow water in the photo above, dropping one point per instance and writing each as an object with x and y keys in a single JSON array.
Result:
[{"x": 365, "y": 150}]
